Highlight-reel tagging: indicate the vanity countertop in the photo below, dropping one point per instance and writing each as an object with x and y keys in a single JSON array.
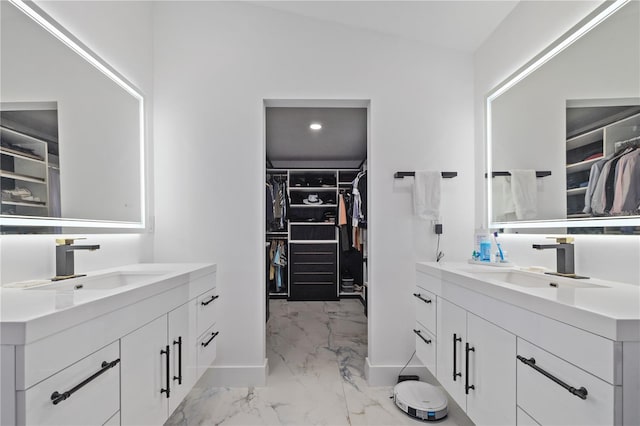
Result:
[
  {"x": 609, "y": 309},
  {"x": 29, "y": 314}
]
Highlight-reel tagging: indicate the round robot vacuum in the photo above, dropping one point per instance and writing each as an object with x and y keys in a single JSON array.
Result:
[{"x": 420, "y": 400}]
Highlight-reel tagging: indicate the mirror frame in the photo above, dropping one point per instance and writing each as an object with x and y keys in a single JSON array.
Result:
[
  {"x": 592, "y": 20},
  {"x": 40, "y": 17}
]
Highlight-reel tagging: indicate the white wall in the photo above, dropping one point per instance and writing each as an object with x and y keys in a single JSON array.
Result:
[
  {"x": 129, "y": 50},
  {"x": 214, "y": 64},
  {"x": 530, "y": 28}
]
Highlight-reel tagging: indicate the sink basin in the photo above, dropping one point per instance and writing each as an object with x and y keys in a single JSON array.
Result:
[
  {"x": 527, "y": 279},
  {"x": 102, "y": 282}
]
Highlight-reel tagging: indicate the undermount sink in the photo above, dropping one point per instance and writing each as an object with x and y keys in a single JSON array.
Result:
[
  {"x": 102, "y": 282},
  {"x": 527, "y": 279}
]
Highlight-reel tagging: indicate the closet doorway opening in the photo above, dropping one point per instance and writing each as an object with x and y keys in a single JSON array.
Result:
[{"x": 316, "y": 233}]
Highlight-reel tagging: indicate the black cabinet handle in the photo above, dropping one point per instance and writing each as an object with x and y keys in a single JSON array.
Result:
[
  {"x": 456, "y": 339},
  {"x": 58, "y": 397},
  {"x": 213, "y": 336},
  {"x": 427, "y": 341},
  {"x": 467, "y": 386},
  {"x": 203, "y": 303},
  {"x": 531, "y": 362},
  {"x": 179, "y": 376},
  {"x": 167, "y": 364},
  {"x": 419, "y": 296}
]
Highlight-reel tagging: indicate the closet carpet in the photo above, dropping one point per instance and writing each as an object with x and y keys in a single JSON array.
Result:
[{"x": 316, "y": 353}]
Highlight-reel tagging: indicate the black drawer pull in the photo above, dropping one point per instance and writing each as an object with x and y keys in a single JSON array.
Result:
[
  {"x": 179, "y": 376},
  {"x": 167, "y": 366},
  {"x": 213, "y": 336},
  {"x": 57, "y": 397},
  {"x": 314, "y": 252},
  {"x": 467, "y": 386},
  {"x": 427, "y": 341},
  {"x": 456, "y": 339},
  {"x": 203, "y": 303},
  {"x": 531, "y": 362},
  {"x": 419, "y": 296}
]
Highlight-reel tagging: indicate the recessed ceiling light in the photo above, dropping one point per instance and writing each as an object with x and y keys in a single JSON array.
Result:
[{"x": 315, "y": 126}]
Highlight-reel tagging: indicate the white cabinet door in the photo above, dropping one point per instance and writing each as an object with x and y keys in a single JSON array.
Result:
[
  {"x": 182, "y": 340},
  {"x": 491, "y": 373},
  {"x": 143, "y": 396},
  {"x": 452, "y": 327}
]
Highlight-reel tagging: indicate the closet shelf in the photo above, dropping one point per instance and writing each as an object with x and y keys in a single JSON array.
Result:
[
  {"x": 583, "y": 165},
  {"x": 578, "y": 215},
  {"x": 21, "y": 155},
  {"x": 313, "y": 205},
  {"x": 26, "y": 203},
  {"x": 312, "y": 188},
  {"x": 25, "y": 178}
]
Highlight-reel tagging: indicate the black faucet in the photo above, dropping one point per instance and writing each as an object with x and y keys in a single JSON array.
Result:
[
  {"x": 64, "y": 257},
  {"x": 564, "y": 254}
]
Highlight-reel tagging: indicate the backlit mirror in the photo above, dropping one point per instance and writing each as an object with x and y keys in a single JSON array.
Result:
[
  {"x": 563, "y": 133},
  {"x": 71, "y": 128}
]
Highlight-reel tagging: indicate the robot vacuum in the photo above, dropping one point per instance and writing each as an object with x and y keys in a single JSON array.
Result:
[{"x": 420, "y": 400}]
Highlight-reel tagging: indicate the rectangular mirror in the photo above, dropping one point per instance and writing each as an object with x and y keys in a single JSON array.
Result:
[
  {"x": 71, "y": 129},
  {"x": 563, "y": 133}
]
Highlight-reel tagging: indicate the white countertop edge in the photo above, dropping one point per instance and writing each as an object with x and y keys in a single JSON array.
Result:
[
  {"x": 616, "y": 329},
  {"x": 25, "y": 330}
]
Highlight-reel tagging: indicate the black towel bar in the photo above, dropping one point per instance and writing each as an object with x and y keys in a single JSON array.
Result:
[{"x": 445, "y": 175}]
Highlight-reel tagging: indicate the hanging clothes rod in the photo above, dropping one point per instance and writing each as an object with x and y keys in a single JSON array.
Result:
[
  {"x": 445, "y": 175},
  {"x": 539, "y": 174},
  {"x": 619, "y": 144}
]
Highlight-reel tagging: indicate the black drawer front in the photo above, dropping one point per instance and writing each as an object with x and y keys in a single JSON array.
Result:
[
  {"x": 328, "y": 278},
  {"x": 313, "y": 232},
  {"x": 313, "y": 266},
  {"x": 312, "y": 253}
]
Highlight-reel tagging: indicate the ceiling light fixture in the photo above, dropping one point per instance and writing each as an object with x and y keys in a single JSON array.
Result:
[{"x": 315, "y": 126}]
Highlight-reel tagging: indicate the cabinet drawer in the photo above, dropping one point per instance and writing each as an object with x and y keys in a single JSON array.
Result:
[
  {"x": 425, "y": 347},
  {"x": 551, "y": 404},
  {"x": 425, "y": 303},
  {"x": 313, "y": 277},
  {"x": 314, "y": 267},
  {"x": 313, "y": 232},
  {"x": 312, "y": 252},
  {"x": 93, "y": 404},
  {"x": 207, "y": 348},
  {"x": 207, "y": 306}
]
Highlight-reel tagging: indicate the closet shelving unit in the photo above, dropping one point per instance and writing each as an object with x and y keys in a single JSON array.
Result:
[
  {"x": 600, "y": 140},
  {"x": 24, "y": 164},
  {"x": 313, "y": 255}
]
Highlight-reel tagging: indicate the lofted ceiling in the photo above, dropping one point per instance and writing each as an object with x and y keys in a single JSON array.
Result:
[{"x": 457, "y": 24}]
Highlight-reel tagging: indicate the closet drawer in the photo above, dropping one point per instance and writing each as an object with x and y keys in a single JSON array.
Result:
[
  {"x": 551, "y": 404},
  {"x": 207, "y": 347},
  {"x": 425, "y": 303},
  {"x": 313, "y": 277},
  {"x": 313, "y": 232},
  {"x": 93, "y": 404},
  {"x": 425, "y": 347},
  {"x": 313, "y": 267},
  {"x": 207, "y": 306},
  {"x": 312, "y": 252}
]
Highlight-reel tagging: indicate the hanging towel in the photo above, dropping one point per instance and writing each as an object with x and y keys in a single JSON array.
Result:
[
  {"x": 426, "y": 194},
  {"x": 502, "y": 199},
  {"x": 524, "y": 190}
]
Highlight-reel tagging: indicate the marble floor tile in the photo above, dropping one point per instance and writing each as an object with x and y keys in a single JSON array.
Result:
[{"x": 316, "y": 353}]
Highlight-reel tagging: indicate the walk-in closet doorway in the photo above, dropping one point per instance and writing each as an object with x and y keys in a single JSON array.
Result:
[{"x": 316, "y": 231}]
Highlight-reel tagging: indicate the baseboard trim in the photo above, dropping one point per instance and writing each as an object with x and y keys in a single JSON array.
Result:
[
  {"x": 235, "y": 376},
  {"x": 387, "y": 375}
]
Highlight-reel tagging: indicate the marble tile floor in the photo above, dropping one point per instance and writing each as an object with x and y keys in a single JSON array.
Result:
[{"x": 316, "y": 353}]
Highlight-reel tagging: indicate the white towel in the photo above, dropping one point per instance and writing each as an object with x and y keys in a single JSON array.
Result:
[
  {"x": 502, "y": 199},
  {"x": 524, "y": 189},
  {"x": 426, "y": 194}
]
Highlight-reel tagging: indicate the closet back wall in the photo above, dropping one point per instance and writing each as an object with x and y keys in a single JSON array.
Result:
[
  {"x": 215, "y": 63},
  {"x": 26, "y": 257}
]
